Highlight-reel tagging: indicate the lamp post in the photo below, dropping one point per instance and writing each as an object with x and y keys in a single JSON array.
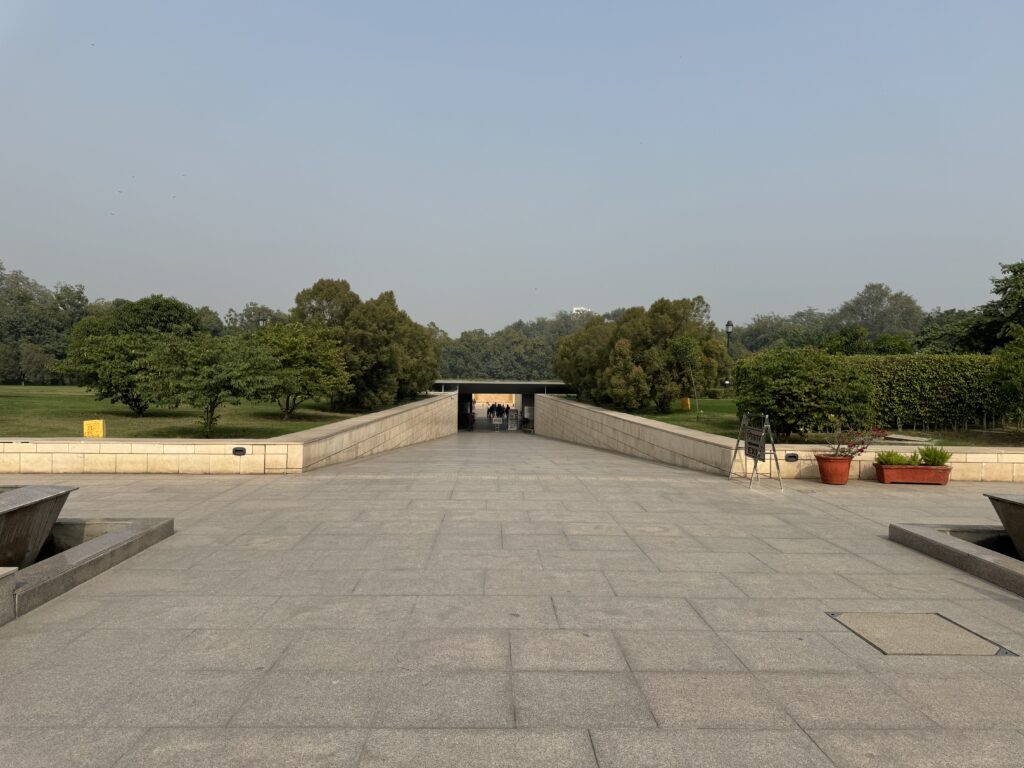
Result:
[
  {"x": 728, "y": 351},
  {"x": 262, "y": 322}
]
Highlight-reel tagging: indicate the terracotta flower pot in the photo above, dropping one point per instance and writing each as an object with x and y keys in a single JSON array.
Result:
[
  {"x": 906, "y": 473},
  {"x": 834, "y": 470}
]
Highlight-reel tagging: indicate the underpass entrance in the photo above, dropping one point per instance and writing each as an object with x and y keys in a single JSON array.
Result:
[{"x": 480, "y": 399}]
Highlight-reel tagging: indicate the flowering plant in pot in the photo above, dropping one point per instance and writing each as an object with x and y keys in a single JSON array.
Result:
[
  {"x": 844, "y": 444},
  {"x": 925, "y": 465}
]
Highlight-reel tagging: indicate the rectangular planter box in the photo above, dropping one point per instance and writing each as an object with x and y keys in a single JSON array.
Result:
[{"x": 902, "y": 473}]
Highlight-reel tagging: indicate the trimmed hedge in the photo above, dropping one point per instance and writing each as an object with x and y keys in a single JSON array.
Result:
[
  {"x": 799, "y": 386},
  {"x": 802, "y": 389},
  {"x": 930, "y": 390}
]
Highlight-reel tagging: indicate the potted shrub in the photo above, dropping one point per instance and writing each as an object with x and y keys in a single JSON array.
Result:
[
  {"x": 844, "y": 444},
  {"x": 925, "y": 465}
]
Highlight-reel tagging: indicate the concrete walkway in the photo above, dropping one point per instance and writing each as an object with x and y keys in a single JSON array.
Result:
[{"x": 505, "y": 600}]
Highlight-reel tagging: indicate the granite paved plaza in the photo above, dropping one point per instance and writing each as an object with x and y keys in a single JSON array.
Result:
[{"x": 506, "y": 600}]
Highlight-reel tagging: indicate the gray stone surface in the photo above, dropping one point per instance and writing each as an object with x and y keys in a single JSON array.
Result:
[
  {"x": 506, "y": 600},
  {"x": 729, "y": 748},
  {"x": 920, "y": 634},
  {"x": 922, "y": 748},
  {"x": 705, "y": 700},
  {"x": 580, "y": 699}
]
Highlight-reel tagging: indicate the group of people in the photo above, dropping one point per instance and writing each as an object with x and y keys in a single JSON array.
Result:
[{"x": 496, "y": 410}]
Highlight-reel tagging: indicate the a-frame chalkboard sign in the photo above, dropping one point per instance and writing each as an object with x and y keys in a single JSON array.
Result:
[{"x": 757, "y": 443}]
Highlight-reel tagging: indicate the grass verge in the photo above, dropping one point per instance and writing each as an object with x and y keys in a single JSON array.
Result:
[{"x": 60, "y": 411}]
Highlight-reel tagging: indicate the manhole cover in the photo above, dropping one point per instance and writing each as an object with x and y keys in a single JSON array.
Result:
[{"x": 918, "y": 634}]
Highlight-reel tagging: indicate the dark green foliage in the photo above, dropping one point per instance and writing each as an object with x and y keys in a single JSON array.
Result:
[
  {"x": 1008, "y": 375},
  {"x": 113, "y": 366},
  {"x": 251, "y": 316},
  {"x": 391, "y": 358},
  {"x": 880, "y": 310},
  {"x": 34, "y": 326},
  {"x": 108, "y": 351},
  {"x": 903, "y": 391},
  {"x": 327, "y": 302},
  {"x": 523, "y": 351},
  {"x": 947, "y": 331},
  {"x": 803, "y": 390},
  {"x": 670, "y": 349},
  {"x": 308, "y": 363},
  {"x": 624, "y": 381},
  {"x": 206, "y": 372},
  {"x": 996, "y": 322},
  {"x": 580, "y": 359},
  {"x": 930, "y": 390},
  {"x": 877, "y": 319}
]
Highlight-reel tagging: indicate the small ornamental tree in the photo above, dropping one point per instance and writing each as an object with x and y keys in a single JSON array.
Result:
[
  {"x": 113, "y": 366},
  {"x": 207, "y": 371},
  {"x": 308, "y": 363}
]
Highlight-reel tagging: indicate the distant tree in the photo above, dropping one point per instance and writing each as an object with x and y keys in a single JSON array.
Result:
[
  {"x": 327, "y": 302},
  {"x": 948, "y": 330},
  {"x": 251, "y": 316},
  {"x": 391, "y": 357},
  {"x": 581, "y": 358},
  {"x": 308, "y": 363},
  {"x": 625, "y": 381},
  {"x": 36, "y": 364},
  {"x": 209, "y": 321},
  {"x": 524, "y": 350},
  {"x": 880, "y": 310},
  {"x": 996, "y": 322},
  {"x": 10, "y": 364},
  {"x": 34, "y": 325},
  {"x": 850, "y": 340}
]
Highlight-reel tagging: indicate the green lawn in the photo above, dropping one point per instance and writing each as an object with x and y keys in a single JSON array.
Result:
[
  {"x": 60, "y": 411},
  {"x": 719, "y": 418},
  {"x": 715, "y": 416}
]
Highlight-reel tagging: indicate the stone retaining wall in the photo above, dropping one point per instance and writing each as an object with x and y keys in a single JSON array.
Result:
[
  {"x": 335, "y": 443},
  {"x": 575, "y": 422}
]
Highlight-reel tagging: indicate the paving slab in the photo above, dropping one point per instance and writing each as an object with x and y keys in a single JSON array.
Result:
[
  {"x": 506, "y": 600},
  {"x": 921, "y": 748},
  {"x": 730, "y": 748}
]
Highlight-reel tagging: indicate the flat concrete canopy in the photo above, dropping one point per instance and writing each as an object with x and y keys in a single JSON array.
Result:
[
  {"x": 507, "y": 600},
  {"x": 486, "y": 386}
]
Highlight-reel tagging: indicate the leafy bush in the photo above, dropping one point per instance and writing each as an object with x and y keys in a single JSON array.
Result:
[
  {"x": 932, "y": 456},
  {"x": 930, "y": 390},
  {"x": 895, "y": 458},
  {"x": 803, "y": 390},
  {"x": 797, "y": 387}
]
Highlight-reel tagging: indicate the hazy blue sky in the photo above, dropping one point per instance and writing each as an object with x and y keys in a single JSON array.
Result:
[{"x": 490, "y": 161}]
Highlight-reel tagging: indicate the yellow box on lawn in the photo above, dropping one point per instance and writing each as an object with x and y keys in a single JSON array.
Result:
[{"x": 94, "y": 428}]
